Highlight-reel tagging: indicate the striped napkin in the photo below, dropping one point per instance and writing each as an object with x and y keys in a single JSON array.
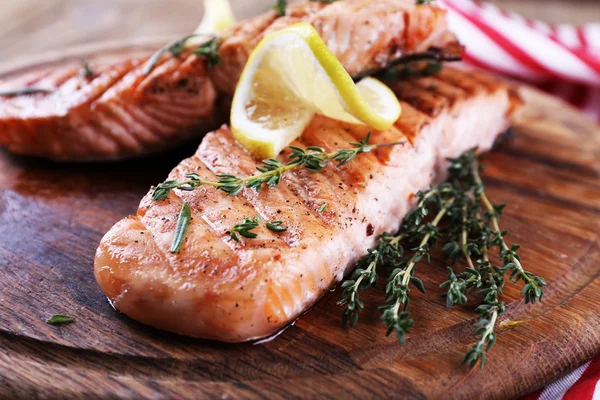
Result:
[
  {"x": 581, "y": 384},
  {"x": 560, "y": 59}
]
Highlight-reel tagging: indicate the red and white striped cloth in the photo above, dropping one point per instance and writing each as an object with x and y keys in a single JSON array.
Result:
[
  {"x": 581, "y": 384},
  {"x": 561, "y": 59}
]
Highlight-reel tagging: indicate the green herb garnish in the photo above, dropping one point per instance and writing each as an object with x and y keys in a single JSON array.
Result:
[
  {"x": 244, "y": 229},
  {"x": 365, "y": 276},
  {"x": 280, "y": 7},
  {"x": 24, "y": 91},
  {"x": 423, "y": 63},
  {"x": 86, "y": 71},
  {"x": 322, "y": 208},
  {"x": 175, "y": 48},
  {"x": 467, "y": 222},
  {"x": 210, "y": 50},
  {"x": 394, "y": 316},
  {"x": 276, "y": 226},
  {"x": 411, "y": 70},
  {"x": 183, "y": 222},
  {"x": 313, "y": 158},
  {"x": 59, "y": 319}
]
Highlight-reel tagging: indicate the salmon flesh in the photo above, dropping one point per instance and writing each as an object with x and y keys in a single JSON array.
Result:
[
  {"x": 218, "y": 288},
  {"x": 117, "y": 111}
]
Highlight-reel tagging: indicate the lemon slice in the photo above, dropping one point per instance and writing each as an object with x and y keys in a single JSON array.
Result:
[
  {"x": 290, "y": 76},
  {"x": 217, "y": 17}
]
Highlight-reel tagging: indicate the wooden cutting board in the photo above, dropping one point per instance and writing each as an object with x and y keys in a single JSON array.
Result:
[{"x": 52, "y": 217}]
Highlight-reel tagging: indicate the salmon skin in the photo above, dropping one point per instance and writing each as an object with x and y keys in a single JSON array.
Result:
[
  {"x": 116, "y": 111},
  {"x": 231, "y": 291}
]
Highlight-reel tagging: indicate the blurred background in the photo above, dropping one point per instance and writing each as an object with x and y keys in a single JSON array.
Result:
[{"x": 28, "y": 27}]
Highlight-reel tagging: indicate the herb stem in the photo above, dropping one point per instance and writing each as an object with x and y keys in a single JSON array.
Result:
[
  {"x": 484, "y": 254},
  {"x": 277, "y": 171},
  {"x": 464, "y": 237},
  {"x": 488, "y": 330},
  {"x": 370, "y": 270},
  {"x": 398, "y": 238}
]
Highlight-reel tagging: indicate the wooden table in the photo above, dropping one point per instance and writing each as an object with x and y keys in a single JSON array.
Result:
[{"x": 28, "y": 27}]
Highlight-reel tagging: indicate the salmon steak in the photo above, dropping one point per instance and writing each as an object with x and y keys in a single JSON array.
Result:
[
  {"x": 239, "y": 290},
  {"x": 125, "y": 109}
]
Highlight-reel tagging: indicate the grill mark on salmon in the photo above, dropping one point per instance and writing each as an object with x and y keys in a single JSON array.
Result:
[
  {"x": 121, "y": 113},
  {"x": 460, "y": 80},
  {"x": 441, "y": 88},
  {"x": 220, "y": 289},
  {"x": 265, "y": 202},
  {"x": 420, "y": 98}
]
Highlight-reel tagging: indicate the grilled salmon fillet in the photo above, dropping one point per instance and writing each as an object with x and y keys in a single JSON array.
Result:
[
  {"x": 220, "y": 289},
  {"x": 117, "y": 111}
]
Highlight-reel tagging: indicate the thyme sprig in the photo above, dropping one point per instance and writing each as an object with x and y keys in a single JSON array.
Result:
[
  {"x": 423, "y": 63},
  {"x": 479, "y": 233},
  {"x": 313, "y": 158},
  {"x": 209, "y": 49},
  {"x": 365, "y": 275},
  {"x": 532, "y": 290},
  {"x": 395, "y": 316},
  {"x": 468, "y": 224},
  {"x": 409, "y": 70}
]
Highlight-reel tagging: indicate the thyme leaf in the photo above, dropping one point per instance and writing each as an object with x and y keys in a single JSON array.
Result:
[
  {"x": 86, "y": 70},
  {"x": 280, "y": 7},
  {"x": 183, "y": 222},
  {"x": 59, "y": 319},
  {"x": 276, "y": 226},
  {"x": 244, "y": 229},
  {"x": 24, "y": 91},
  {"x": 210, "y": 50},
  {"x": 322, "y": 208}
]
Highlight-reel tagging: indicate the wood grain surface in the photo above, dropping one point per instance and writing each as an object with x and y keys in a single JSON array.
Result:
[
  {"x": 52, "y": 217},
  {"x": 28, "y": 27}
]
